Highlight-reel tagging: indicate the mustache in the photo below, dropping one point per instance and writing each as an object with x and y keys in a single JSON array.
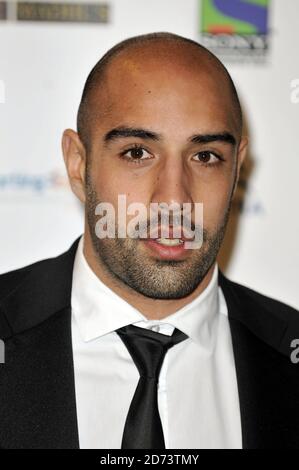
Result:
[{"x": 147, "y": 229}]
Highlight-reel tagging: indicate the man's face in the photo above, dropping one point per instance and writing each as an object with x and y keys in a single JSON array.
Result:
[{"x": 171, "y": 101}]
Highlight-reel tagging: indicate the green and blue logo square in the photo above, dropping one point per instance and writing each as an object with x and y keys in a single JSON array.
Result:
[{"x": 234, "y": 16}]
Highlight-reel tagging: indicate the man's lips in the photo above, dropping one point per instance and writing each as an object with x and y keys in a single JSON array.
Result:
[
  {"x": 158, "y": 234},
  {"x": 167, "y": 252}
]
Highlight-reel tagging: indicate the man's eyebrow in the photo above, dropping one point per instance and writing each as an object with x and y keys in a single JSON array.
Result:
[
  {"x": 217, "y": 137},
  {"x": 121, "y": 132}
]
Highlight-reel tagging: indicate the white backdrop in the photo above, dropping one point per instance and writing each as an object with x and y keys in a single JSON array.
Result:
[{"x": 43, "y": 67}]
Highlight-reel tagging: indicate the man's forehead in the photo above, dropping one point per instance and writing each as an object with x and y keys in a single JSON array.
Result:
[
  {"x": 163, "y": 57},
  {"x": 147, "y": 80},
  {"x": 135, "y": 88},
  {"x": 157, "y": 82}
]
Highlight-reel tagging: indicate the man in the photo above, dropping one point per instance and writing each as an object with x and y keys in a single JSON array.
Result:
[{"x": 140, "y": 342}]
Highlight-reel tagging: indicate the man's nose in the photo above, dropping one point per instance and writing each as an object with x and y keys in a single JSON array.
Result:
[{"x": 172, "y": 184}]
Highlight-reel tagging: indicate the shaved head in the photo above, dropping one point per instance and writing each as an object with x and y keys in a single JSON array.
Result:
[
  {"x": 166, "y": 51},
  {"x": 159, "y": 122}
]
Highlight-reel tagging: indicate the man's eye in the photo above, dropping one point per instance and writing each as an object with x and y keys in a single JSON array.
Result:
[
  {"x": 135, "y": 154},
  {"x": 208, "y": 158}
]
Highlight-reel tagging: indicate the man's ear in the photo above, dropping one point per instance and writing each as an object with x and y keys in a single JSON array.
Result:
[
  {"x": 241, "y": 154},
  {"x": 75, "y": 161}
]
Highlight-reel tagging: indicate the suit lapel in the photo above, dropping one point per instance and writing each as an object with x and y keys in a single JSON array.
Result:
[
  {"x": 37, "y": 381},
  {"x": 40, "y": 411},
  {"x": 268, "y": 382}
]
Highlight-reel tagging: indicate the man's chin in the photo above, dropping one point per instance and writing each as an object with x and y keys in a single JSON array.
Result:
[
  {"x": 148, "y": 274},
  {"x": 158, "y": 281},
  {"x": 165, "y": 294}
]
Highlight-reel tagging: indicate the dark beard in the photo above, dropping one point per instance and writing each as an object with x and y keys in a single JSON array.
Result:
[{"x": 123, "y": 259}]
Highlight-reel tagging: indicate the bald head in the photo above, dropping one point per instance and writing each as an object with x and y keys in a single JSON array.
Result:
[
  {"x": 160, "y": 121},
  {"x": 164, "y": 54}
]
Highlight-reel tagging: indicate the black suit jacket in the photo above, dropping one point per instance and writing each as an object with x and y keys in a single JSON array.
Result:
[{"x": 37, "y": 392}]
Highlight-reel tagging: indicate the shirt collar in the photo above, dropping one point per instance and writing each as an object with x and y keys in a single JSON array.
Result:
[{"x": 99, "y": 311}]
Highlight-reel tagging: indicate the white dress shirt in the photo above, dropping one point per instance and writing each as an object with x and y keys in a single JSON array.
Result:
[{"x": 197, "y": 390}]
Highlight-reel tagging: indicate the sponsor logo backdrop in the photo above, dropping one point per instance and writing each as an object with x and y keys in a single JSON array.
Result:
[{"x": 46, "y": 52}]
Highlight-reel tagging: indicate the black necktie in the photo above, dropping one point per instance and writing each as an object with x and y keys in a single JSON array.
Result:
[{"x": 143, "y": 428}]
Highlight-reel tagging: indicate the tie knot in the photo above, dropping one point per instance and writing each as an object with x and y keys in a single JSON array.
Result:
[{"x": 148, "y": 348}]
